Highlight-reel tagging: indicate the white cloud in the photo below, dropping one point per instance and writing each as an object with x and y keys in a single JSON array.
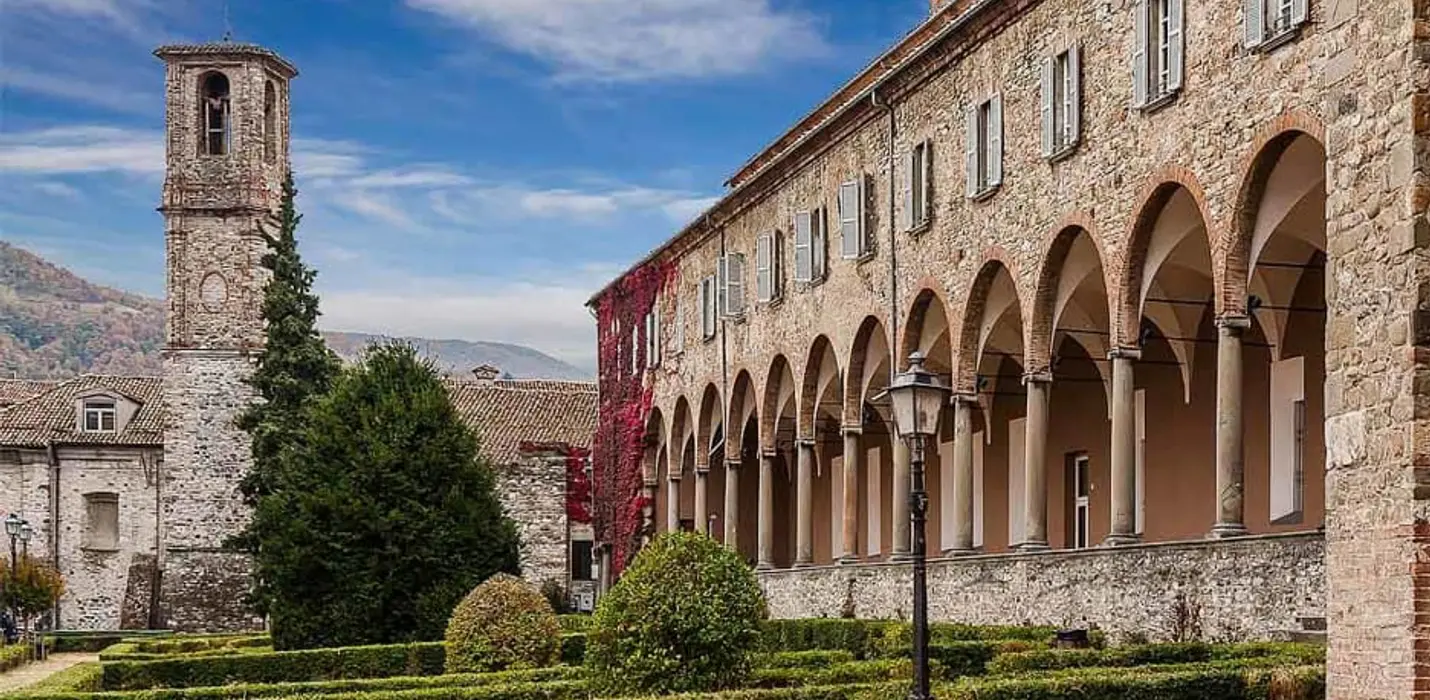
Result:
[
  {"x": 375, "y": 206},
  {"x": 82, "y": 149},
  {"x": 686, "y": 209},
  {"x": 58, "y": 189},
  {"x": 109, "y": 95},
  {"x": 415, "y": 177},
  {"x": 638, "y": 40}
]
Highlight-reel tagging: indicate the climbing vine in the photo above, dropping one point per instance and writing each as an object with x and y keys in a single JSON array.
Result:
[
  {"x": 578, "y": 486},
  {"x": 625, "y": 404}
]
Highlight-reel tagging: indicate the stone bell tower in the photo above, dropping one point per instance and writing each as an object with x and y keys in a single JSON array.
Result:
[{"x": 227, "y": 152}]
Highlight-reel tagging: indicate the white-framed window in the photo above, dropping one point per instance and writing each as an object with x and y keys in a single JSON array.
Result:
[
  {"x": 677, "y": 340},
  {"x": 918, "y": 186},
  {"x": 1080, "y": 482},
  {"x": 1062, "y": 102},
  {"x": 101, "y": 527},
  {"x": 853, "y": 228},
  {"x": 709, "y": 309},
  {"x": 769, "y": 273},
  {"x": 732, "y": 285},
  {"x": 1157, "y": 56},
  {"x": 99, "y": 415},
  {"x": 1268, "y": 23},
  {"x": 984, "y": 138},
  {"x": 652, "y": 337},
  {"x": 1288, "y": 440},
  {"x": 810, "y": 247}
]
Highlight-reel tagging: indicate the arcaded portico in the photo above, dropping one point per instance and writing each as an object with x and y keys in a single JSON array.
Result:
[{"x": 1171, "y": 258}]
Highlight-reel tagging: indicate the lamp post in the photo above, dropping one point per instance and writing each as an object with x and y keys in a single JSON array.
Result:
[
  {"x": 918, "y": 398},
  {"x": 13, "y": 525},
  {"x": 26, "y": 532}
]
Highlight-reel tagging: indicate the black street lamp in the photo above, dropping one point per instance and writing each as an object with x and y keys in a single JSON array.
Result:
[
  {"x": 918, "y": 398},
  {"x": 26, "y": 532},
  {"x": 13, "y": 525}
]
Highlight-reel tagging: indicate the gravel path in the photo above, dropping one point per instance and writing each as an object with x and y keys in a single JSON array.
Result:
[{"x": 34, "y": 673}]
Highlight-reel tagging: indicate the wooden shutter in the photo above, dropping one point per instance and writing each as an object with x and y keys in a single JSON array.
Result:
[
  {"x": 657, "y": 337},
  {"x": 849, "y": 219},
  {"x": 1049, "y": 108},
  {"x": 777, "y": 268},
  {"x": 722, "y": 286},
  {"x": 924, "y": 193},
  {"x": 1253, "y": 22},
  {"x": 735, "y": 284},
  {"x": 1300, "y": 12},
  {"x": 705, "y": 307},
  {"x": 819, "y": 244},
  {"x": 803, "y": 246},
  {"x": 1176, "y": 45},
  {"x": 911, "y": 163},
  {"x": 679, "y": 339},
  {"x": 970, "y": 146},
  {"x": 762, "y": 268},
  {"x": 1074, "y": 97},
  {"x": 1140, "y": 68},
  {"x": 995, "y": 141}
]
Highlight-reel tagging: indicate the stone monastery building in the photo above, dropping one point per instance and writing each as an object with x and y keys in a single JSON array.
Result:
[
  {"x": 131, "y": 483},
  {"x": 1170, "y": 254}
]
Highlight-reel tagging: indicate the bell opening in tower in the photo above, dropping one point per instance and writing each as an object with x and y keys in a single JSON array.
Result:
[{"x": 217, "y": 114}]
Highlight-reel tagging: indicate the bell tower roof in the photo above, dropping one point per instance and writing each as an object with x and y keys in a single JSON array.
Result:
[{"x": 227, "y": 49}]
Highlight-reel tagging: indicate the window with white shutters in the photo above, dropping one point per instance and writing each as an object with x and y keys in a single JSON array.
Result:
[
  {"x": 804, "y": 247},
  {"x": 854, "y": 242},
  {"x": 1062, "y": 103},
  {"x": 708, "y": 307},
  {"x": 1271, "y": 23},
  {"x": 984, "y": 137},
  {"x": 732, "y": 285},
  {"x": 677, "y": 340},
  {"x": 767, "y": 268},
  {"x": 1157, "y": 56},
  {"x": 918, "y": 174},
  {"x": 819, "y": 245}
]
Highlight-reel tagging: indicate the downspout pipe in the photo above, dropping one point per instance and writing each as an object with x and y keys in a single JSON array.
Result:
[
  {"x": 895, "y": 347},
  {"x": 53, "y": 458}
]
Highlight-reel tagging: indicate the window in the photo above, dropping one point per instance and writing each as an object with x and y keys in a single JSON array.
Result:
[
  {"x": 709, "y": 312},
  {"x": 918, "y": 169},
  {"x": 101, "y": 526},
  {"x": 1062, "y": 102},
  {"x": 769, "y": 274},
  {"x": 652, "y": 337},
  {"x": 1288, "y": 440},
  {"x": 854, "y": 239},
  {"x": 678, "y": 339},
  {"x": 1269, "y": 23},
  {"x": 217, "y": 115},
  {"x": 985, "y": 146},
  {"x": 732, "y": 285},
  {"x": 1080, "y": 490},
  {"x": 99, "y": 415},
  {"x": 1157, "y": 55},
  {"x": 581, "y": 569},
  {"x": 270, "y": 122},
  {"x": 809, "y": 246}
]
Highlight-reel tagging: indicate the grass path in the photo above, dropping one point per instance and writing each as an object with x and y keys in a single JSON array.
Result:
[{"x": 34, "y": 673}]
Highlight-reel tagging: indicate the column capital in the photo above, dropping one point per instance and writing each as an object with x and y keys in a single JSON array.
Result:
[
  {"x": 1233, "y": 322},
  {"x": 1124, "y": 354},
  {"x": 769, "y": 453},
  {"x": 851, "y": 430},
  {"x": 732, "y": 464},
  {"x": 805, "y": 442},
  {"x": 956, "y": 399},
  {"x": 1038, "y": 378}
]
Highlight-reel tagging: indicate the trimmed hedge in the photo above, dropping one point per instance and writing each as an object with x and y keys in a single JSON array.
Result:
[
  {"x": 129, "y": 651},
  {"x": 813, "y": 658},
  {"x": 1148, "y": 654},
  {"x": 15, "y": 656},
  {"x": 546, "y": 690},
  {"x": 94, "y": 642},
  {"x": 849, "y": 672},
  {"x": 419, "y": 659},
  {"x": 190, "y": 645},
  {"x": 574, "y": 622},
  {"x": 573, "y": 648},
  {"x": 1299, "y": 683},
  {"x": 883, "y": 638},
  {"x": 79, "y": 678}
]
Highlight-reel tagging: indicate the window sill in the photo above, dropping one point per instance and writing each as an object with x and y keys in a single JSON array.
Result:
[
  {"x": 99, "y": 550},
  {"x": 986, "y": 193},
  {"x": 772, "y": 303},
  {"x": 920, "y": 228},
  {"x": 1270, "y": 44},
  {"x": 806, "y": 285},
  {"x": 1158, "y": 102},
  {"x": 1063, "y": 153}
]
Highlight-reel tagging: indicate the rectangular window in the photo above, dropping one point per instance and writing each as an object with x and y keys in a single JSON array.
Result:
[
  {"x": 1062, "y": 102},
  {"x": 1287, "y": 439},
  {"x": 99, "y": 416},
  {"x": 984, "y": 137},
  {"x": 854, "y": 242},
  {"x": 1080, "y": 507},
  {"x": 1269, "y": 23},
  {"x": 1157, "y": 54},
  {"x": 918, "y": 174},
  {"x": 652, "y": 337},
  {"x": 708, "y": 309},
  {"x": 678, "y": 341},
  {"x": 768, "y": 275},
  {"x": 804, "y": 247},
  {"x": 732, "y": 285},
  {"x": 581, "y": 569},
  {"x": 101, "y": 527}
]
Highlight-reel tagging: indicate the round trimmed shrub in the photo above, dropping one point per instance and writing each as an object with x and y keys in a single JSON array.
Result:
[
  {"x": 504, "y": 623},
  {"x": 685, "y": 616}
]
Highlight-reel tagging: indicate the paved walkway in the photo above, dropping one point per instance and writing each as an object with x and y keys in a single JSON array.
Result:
[{"x": 34, "y": 673}]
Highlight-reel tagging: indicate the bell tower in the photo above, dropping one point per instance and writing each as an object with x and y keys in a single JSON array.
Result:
[{"x": 227, "y": 148}]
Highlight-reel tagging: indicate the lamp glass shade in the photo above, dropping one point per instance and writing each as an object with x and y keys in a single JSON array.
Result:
[
  {"x": 918, "y": 398},
  {"x": 26, "y": 532},
  {"x": 12, "y": 525}
]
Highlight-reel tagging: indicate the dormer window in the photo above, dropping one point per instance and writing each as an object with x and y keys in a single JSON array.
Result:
[
  {"x": 217, "y": 115},
  {"x": 99, "y": 415}
]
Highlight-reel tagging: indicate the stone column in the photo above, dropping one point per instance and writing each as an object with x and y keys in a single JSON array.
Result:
[
  {"x": 732, "y": 505},
  {"x": 901, "y": 495},
  {"x": 672, "y": 503},
  {"x": 962, "y": 543},
  {"x": 804, "y": 508},
  {"x": 648, "y": 515},
  {"x": 767, "y": 511},
  {"x": 1124, "y": 449},
  {"x": 1230, "y": 460},
  {"x": 850, "y": 553},
  {"x": 702, "y": 511},
  {"x": 1035, "y": 481}
]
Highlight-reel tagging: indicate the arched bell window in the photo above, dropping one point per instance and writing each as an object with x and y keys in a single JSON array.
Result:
[
  {"x": 216, "y": 108},
  {"x": 270, "y": 122}
]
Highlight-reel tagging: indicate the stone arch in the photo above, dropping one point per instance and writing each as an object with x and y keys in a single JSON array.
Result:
[
  {"x": 654, "y": 442},
  {"x": 927, "y": 330},
  {"x": 710, "y": 429},
  {"x": 682, "y": 432},
  {"x": 1071, "y": 297},
  {"x": 1162, "y": 186},
  {"x": 779, "y": 403},
  {"x": 743, "y": 407},
  {"x": 994, "y": 293},
  {"x": 821, "y": 376},
  {"x": 869, "y": 363}
]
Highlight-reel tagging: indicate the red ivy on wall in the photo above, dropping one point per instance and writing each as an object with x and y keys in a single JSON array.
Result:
[
  {"x": 624, "y": 407},
  {"x": 578, "y": 485}
]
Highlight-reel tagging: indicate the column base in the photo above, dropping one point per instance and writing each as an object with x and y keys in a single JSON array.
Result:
[
  {"x": 849, "y": 560},
  {"x": 1222, "y": 531},
  {"x": 765, "y": 566},
  {"x": 959, "y": 552},
  {"x": 902, "y": 556},
  {"x": 1033, "y": 547},
  {"x": 802, "y": 565},
  {"x": 1119, "y": 540}
]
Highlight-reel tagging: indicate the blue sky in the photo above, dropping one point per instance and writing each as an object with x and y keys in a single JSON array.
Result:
[{"x": 469, "y": 168}]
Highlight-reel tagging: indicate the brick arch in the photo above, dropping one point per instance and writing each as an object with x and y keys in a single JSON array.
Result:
[
  {"x": 742, "y": 402},
  {"x": 857, "y": 359},
  {"x": 711, "y": 409},
  {"x": 779, "y": 371},
  {"x": 681, "y": 427},
  {"x": 995, "y": 260},
  {"x": 930, "y": 292},
  {"x": 809, "y": 383},
  {"x": 1154, "y": 195},
  {"x": 1257, "y": 164},
  {"x": 1056, "y": 248},
  {"x": 655, "y": 441}
]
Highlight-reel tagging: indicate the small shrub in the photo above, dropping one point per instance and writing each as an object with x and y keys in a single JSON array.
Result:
[
  {"x": 555, "y": 594},
  {"x": 685, "y": 616},
  {"x": 504, "y": 623},
  {"x": 14, "y": 656},
  {"x": 574, "y": 622}
]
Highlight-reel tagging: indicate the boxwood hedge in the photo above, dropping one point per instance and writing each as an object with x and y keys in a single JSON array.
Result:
[{"x": 420, "y": 659}]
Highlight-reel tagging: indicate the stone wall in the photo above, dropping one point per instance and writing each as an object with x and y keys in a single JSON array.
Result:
[
  {"x": 533, "y": 493},
  {"x": 1236, "y": 589},
  {"x": 204, "y": 591}
]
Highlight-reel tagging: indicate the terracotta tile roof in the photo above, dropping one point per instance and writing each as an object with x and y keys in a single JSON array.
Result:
[
  {"x": 50, "y": 416},
  {"x": 226, "y": 48},
  {"x": 507, "y": 413},
  {"x": 13, "y": 391}
]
